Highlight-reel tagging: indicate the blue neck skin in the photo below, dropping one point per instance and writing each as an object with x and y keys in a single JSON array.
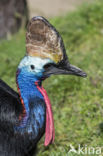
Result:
[{"x": 35, "y": 112}]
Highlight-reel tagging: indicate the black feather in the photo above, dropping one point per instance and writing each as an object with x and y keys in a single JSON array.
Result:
[{"x": 14, "y": 143}]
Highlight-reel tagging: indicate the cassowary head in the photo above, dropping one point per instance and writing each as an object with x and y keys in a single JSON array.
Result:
[{"x": 46, "y": 53}]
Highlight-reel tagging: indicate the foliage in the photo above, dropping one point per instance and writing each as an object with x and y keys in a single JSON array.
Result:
[{"x": 77, "y": 102}]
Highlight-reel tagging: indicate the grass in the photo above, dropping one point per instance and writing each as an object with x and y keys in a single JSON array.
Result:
[{"x": 77, "y": 103}]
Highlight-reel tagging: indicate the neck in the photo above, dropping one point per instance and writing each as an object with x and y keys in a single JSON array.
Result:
[
  {"x": 33, "y": 104},
  {"x": 36, "y": 106}
]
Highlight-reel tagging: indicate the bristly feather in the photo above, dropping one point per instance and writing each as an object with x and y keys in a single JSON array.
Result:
[{"x": 20, "y": 140}]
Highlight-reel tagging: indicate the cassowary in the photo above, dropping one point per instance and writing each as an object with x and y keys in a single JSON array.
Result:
[{"x": 26, "y": 115}]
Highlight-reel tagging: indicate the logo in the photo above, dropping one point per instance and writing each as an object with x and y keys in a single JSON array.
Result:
[{"x": 85, "y": 150}]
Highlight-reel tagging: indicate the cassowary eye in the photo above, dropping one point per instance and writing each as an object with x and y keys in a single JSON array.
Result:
[{"x": 32, "y": 67}]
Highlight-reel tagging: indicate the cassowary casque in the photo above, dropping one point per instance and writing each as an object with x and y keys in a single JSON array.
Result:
[{"x": 24, "y": 117}]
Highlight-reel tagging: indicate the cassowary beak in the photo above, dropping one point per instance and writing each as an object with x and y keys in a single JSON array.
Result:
[{"x": 66, "y": 69}]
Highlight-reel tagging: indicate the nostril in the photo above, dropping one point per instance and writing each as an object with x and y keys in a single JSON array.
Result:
[{"x": 47, "y": 66}]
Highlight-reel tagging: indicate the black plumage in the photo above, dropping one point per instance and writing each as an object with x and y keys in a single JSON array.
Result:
[{"x": 12, "y": 143}]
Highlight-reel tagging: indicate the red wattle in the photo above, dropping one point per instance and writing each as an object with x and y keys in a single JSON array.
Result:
[{"x": 49, "y": 130}]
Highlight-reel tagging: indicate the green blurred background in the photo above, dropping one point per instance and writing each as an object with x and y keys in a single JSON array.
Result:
[{"x": 77, "y": 102}]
